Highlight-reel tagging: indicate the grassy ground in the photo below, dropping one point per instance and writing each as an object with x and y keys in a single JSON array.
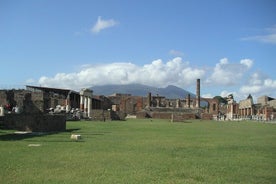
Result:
[{"x": 143, "y": 151}]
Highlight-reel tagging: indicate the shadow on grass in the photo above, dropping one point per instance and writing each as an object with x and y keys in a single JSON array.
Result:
[
  {"x": 16, "y": 136},
  {"x": 20, "y": 135}
]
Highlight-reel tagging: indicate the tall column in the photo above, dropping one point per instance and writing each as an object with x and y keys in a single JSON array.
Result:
[
  {"x": 1, "y": 111},
  {"x": 86, "y": 101},
  {"x": 232, "y": 111},
  {"x": 149, "y": 99},
  {"x": 85, "y": 104},
  {"x": 68, "y": 105},
  {"x": 189, "y": 101},
  {"x": 89, "y": 107},
  {"x": 198, "y": 93},
  {"x": 81, "y": 103}
]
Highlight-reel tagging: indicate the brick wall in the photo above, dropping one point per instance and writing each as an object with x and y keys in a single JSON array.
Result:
[
  {"x": 161, "y": 115},
  {"x": 206, "y": 116}
]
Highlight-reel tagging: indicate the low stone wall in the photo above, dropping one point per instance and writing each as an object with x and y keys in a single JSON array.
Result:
[
  {"x": 206, "y": 116},
  {"x": 182, "y": 117},
  {"x": 174, "y": 116},
  {"x": 142, "y": 115},
  {"x": 161, "y": 115},
  {"x": 103, "y": 115},
  {"x": 35, "y": 122}
]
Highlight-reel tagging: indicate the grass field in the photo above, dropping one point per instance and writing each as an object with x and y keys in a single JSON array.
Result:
[{"x": 143, "y": 151}]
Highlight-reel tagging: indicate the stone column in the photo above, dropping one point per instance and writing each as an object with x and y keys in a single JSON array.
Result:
[
  {"x": 2, "y": 111},
  {"x": 149, "y": 99},
  {"x": 68, "y": 104},
  {"x": 158, "y": 102},
  {"x": 198, "y": 93},
  {"x": 85, "y": 104},
  {"x": 86, "y": 96},
  {"x": 177, "y": 103},
  {"x": 81, "y": 102},
  {"x": 89, "y": 107},
  {"x": 189, "y": 101},
  {"x": 232, "y": 111}
]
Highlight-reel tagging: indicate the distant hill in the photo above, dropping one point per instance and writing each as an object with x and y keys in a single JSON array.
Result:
[{"x": 171, "y": 92}]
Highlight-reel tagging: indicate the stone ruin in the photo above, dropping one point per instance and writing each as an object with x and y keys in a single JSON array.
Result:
[
  {"x": 162, "y": 108},
  {"x": 24, "y": 110},
  {"x": 43, "y": 102}
]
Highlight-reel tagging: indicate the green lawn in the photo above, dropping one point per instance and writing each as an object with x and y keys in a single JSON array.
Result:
[{"x": 143, "y": 151}]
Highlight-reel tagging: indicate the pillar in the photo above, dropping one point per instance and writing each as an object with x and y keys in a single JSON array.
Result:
[
  {"x": 177, "y": 103},
  {"x": 2, "y": 111},
  {"x": 89, "y": 107},
  {"x": 198, "y": 93},
  {"x": 149, "y": 99},
  {"x": 232, "y": 110},
  {"x": 86, "y": 101},
  {"x": 189, "y": 101},
  {"x": 158, "y": 102},
  {"x": 81, "y": 103}
]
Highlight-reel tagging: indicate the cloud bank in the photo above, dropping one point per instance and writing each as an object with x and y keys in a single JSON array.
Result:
[
  {"x": 102, "y": 24},
  {"x": 157, "y": 73},
  {"x": 173, "y": 72}
]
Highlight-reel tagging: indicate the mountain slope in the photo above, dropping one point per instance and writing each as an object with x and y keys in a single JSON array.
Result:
[{"x": 170, "y": 91}]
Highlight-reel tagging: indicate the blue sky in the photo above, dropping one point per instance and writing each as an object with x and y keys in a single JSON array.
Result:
[{"x": 229, "y": 44}]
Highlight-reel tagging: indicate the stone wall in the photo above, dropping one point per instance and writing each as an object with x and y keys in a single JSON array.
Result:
[
  {"x": 161, "y": 115},
  {"x": 142, "y": 114},
  {"x": 35, "y": 122},
  {"x": 106, "y": 115},
  {"x": 182, "y": 117},
  {"x": 207, "y": 116},
  {"x": 100, "y": 114}
]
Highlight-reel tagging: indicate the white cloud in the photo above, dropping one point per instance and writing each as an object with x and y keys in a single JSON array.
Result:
[
  {"x": 103, "y": 24},
  {"x": 157, "y": 73},
  {"x": 226, "y": 73},
  {"x": 227, "y": 77},
  {"x": 269, "y": 37},
  {"x": 247, "y": 62},
  {"x": 259, "y": 85}
]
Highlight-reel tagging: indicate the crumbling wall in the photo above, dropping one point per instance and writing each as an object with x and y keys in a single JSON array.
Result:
[
  {"x": 161, "y": 115},
  {"x": 99, "y": 114},
  {"x": 35, "y": 122},
  {"x": 179, "y": 117},
  {"x": 103, "y": 115},
  {"x": 3, "y": 97},
  {"x": 207, "y": 116},
  {"x": 142, "y": 114}
]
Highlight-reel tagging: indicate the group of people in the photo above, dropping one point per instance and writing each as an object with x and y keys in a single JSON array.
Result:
[{"x": 8, "y": 108}]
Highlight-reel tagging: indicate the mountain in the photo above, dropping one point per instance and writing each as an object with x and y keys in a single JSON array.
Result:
[{"x": 171, "y": 92}]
